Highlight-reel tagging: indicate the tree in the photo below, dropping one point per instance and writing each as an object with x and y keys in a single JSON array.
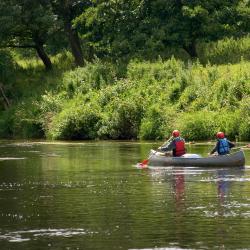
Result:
[
  {"x": 205, "y": 21},
  {"x": 136, "y": 26},
  {"x": 26, "y": 24},
  {"x": 185, "y": 23},
  {"x": 109, "y": 27},
  {"x": 67, "y": 11},
  {"x": 7, "y": 67}
]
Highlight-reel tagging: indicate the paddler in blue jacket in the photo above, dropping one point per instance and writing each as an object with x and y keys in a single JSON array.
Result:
[
  {"x": 176, "y": 144},
  {"x": 223, "y": 145}
]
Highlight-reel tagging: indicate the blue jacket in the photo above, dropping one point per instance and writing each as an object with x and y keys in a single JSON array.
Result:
[{"x": 222, "y": 147}]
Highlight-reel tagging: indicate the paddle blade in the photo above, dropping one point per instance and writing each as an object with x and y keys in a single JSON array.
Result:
[
  {"x": 141, "y": 165},
  {"x": 145, "y": 162}
]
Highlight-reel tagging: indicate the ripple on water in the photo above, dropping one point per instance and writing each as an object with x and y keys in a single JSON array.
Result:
[
  {"x": 161, "y": 248},
  {"x": 26, "y": 235},
  {"x": 12, "y": 158}
]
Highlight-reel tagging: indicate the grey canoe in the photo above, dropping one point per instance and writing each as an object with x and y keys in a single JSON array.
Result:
[{"x": 231, "y": 160}]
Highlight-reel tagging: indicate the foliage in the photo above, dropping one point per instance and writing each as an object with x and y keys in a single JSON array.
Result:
[
  {"x": 146, "y": 29},
  {"x": 7, "y": 78},
  {"x": 197, "y": 126},
  {"x": 23, "y": 28},
  {"x": 244, "y": 127},
  {"x": 146, "y": 101},
  {"x": 75, "y": 122},
  {"x": 25, "y": 121},
  {"x": 157, "y": 123},
  {"x": 7, "y": 66},
  {"x": 228, "y": 50},
  {"x": 94, "y": 75},
  {"x": 123, "y": 120}
]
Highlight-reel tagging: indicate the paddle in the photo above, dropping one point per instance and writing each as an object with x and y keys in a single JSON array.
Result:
[
  {"x": 246, "y": 146},
  {"x": 144, "y": 163}
]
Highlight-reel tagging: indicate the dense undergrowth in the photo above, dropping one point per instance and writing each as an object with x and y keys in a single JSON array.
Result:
[{"x": 137, "y": 100}]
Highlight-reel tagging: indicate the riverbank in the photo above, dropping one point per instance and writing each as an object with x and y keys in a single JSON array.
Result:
[{"x": 139, "y": 100}]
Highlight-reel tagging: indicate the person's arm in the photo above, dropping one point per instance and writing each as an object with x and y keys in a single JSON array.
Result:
[
  {"x": 215, "y": 148},
  {"x": 231, "y": 145},
  {"x": 168, "y": 146}
]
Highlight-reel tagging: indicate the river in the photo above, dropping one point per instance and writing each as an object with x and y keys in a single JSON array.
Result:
[{"x": 90, "y": 195}]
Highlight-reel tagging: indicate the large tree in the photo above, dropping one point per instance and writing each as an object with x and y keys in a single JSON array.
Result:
[
  {"x": 131, "y": 26},
  {"x": 197, "y": 21},
  {"x": 26, "y": 24},
  {"x": 109, "y": 27},
  {"x": 67, "y": 11}
]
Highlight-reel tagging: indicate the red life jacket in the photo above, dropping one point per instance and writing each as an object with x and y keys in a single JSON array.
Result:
[{"x": 179, "y": 148}]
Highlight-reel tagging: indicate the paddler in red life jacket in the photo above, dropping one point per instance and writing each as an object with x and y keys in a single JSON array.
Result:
[
  {"x": 223, "y": 145},
  {"x": 176, "y": 144}
]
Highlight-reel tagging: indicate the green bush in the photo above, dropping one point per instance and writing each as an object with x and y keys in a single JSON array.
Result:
[
  {"x": 6, "y": 124},
  {"x": 244, "y": 130},
  {"x": 228, "y": 50},
  {"x": 244, "y": 121},
  {"x": 151, "y": 100},
  {"x": 157, "y": 123},
  {"x": 228, "y": 122},
  {"x": 26, "y": 122},
  {"x": 93, "y": 76},
  {"x": 122, "y": 120},
  {"x": 77, "y": 121},
  {"x": 7, "y": 66},
  {"x": 197, "y": 126}
]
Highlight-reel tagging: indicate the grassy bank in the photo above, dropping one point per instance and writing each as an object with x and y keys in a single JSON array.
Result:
[{"x": 138, "y": 100}]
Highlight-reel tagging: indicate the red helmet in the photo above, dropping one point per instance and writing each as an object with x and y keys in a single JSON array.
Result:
[
  {"x": 220, "y": 135},
  {"x": 176, "y": 133}
]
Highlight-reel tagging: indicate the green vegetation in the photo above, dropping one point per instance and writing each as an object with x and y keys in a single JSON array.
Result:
[
  {"x": 136, "y": 70},
  {"x": 151, "y": 99}
]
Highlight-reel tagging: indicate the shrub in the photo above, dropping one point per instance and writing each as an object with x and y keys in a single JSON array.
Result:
[
  {"x": 122, "y": 120},
  {"x": 156, "y": 123},
  {"x": 26, "y": 122},
  {"x": 228, "y": 50},
  {"x": 244, "y": 122},
  {"x": 6, "y": 124},
  {"x": 77, "y": 121},
  {"x": 197, "y": 126},
  {"x": 93, "y": 75},
  {"x": 228, "y": 122}
]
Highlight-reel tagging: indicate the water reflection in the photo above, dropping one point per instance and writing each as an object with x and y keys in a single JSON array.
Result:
[
  {"x": 181, "y": 182},
  {"x": 179, "y": 185},
  {"x": 88, "y": 196},
  {"x": 223, "y": 185},
  {"x": 26, "y": 235}
]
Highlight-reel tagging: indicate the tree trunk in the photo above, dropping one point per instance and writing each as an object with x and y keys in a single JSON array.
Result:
[
  {"x": 44, "y": 57},
  {"x": 191, "y": 49},
  {"x": 74, "y": 44},
  {"x": 6, "y": 101}
]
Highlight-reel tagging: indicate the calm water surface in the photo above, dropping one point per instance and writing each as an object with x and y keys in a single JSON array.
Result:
[{"x": 90, "y": 195}]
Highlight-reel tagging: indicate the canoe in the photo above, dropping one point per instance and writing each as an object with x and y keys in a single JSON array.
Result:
[{"x": 231, "y": 160}]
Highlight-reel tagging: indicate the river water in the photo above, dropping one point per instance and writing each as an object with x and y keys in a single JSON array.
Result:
[{"x": 90, "y": 195}]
